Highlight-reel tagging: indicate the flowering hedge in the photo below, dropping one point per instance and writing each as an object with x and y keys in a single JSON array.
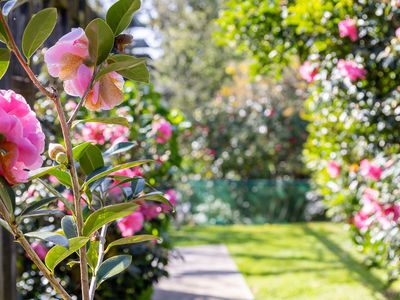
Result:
[{"x": 349, "y": 53}]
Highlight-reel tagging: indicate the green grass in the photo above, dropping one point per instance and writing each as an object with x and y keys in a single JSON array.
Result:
[{"x": 297, "y": 261}]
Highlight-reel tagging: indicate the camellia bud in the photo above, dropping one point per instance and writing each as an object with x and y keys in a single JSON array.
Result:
[
  {"x": 61, "y": 158},
  {"x": 56, "y": 149}
]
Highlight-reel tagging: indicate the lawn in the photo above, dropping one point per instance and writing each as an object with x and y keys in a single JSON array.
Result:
[{"x": 297, "y": 261}]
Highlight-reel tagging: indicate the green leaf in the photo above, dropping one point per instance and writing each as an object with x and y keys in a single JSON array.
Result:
[
  {"x": 4, "y": 61},
  {"x": 42, "y": 172},
  {"x": 132, "y": 240},
  {"x": 106, "y": 215},
  {"x": 114, "y": 169},
  {"x": 52, "y": 237},
  {"x": 52, "y": 190},
  {"x": 38, "y": 30},
  {"x": 111, "y": 267},
  {"x": 101, "y": 40},
  {"x": 58, "y": 253},
  {"x": 120, "y": 14},
  {"x": 7, "y": 195},
  {"x": 8, "y": 6},
  {"x": 62, "y": 176},
  {"x": 69, "y": 227},
  {"x": 5, "y": 225},
  {"x": 91, "y": 159},
  {"x": 38, "y": 204},
  {"x": 93, "y": 254},
  {"x": 111, "y": 120},
  {"x": 3, "y": 34},
  {"x": 43, "y": 212},
  {"x": 137, "y": 73},
  {"x": 119, "y": 148},
  {"x": 155, "y": 196},
  {"x": 77, "y": 151},
  {"x": 125, "y": 62}
]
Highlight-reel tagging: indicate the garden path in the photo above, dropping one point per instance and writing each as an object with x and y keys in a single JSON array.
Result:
[{"x": 203, "y": 273}]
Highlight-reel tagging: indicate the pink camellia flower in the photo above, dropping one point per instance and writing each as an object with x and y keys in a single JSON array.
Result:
[
  {"x": 172, "y": 197},
  {"x": 131, "y": 224},
  {"x": 387, "y": 216},
  {"x": 94, "y": 132},
  {"x": 163, "y": 130},
  {"x": 116, "y": 192},
  {"x": 398, "y": 33},
  {"x": 105, "y": 94},
  {"x": 362, "y": 221},
  {"x": 116, "y": 134},
  {"x": 370, "y": 170},
  {"x": 308, "y": 71},
  {"x": 66, "y": 57},
  {"x": 370, "y": 201},
  {"x": 333, "y": 169},
  {"x": 21, "y": 138},
  {"x": 40, "y": 249},
  {"x": 68, "y": 60},
  {"x": 150, "y": 211},
  {"x": 351, "y": 69},
  {"x": 348, "y": 28}
]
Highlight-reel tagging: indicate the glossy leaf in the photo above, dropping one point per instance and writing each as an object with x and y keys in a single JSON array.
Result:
[
  {"x": 37, "y": 31},
  {"x": 8, "y": 6},
  {"x": 78, "y": 150},
  {"x": 94, "y": 185},
  {"x": 111, "y": 267},
  {"x": 101, "y": 40},
  {"x": 125, "y": 62},
  {"x": 7, "y": 195},
  {"x": 132, "y": 240},
  {"x": 119, "y": 148},
  {"x": 52, "y": 237},
  {"x": 69, "y": 227},
  {"x": 114, "y": 169},
  {"x": 5, "y": 225},
  {"x": 137, "y": 186},
  {"x": 62, "y": 176},
  {"x": 106, "y": 215},
  {"x": 3, "y": 35},
  {"x": 4, "y": 61},
  {"x": 91, "y": 159},
  {"x": 38, "y": 204},
  {"x": 155, "y": 196},
  {"x": 120, "y": 14},
  {"x": 137, "y": 73},
  {"x": 93, "y": 254},
  {"x": 41, "y": 212},
  {"x": 42, "y": 172},
  {"x": 58, "y": 253},
  {"x": 111, "y": 120}
]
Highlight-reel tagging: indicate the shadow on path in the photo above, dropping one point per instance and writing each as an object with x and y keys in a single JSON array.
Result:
[
  {"x": 358, "y": 270},
  {"x": 172, "y": 295}
]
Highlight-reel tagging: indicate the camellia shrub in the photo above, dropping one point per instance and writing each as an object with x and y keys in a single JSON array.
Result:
[
  {"x": 349, "y": 56},
  {"x": 149, "y": 260},
  {"x": 96, "y": 189}
]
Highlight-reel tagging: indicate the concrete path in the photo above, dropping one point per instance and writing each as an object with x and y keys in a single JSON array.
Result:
[{"x": 203, "y": 273}]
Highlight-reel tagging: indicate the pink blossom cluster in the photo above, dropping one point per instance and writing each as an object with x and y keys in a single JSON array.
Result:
[
  {"x": 162, "y": 129},
  {"x": 21, "y": 138},
  {"x": 351, "y": 70},
  {"x": 370, "y": 170},
  {"x": 147, "y": 211},
  {"x": 40, "y": 249},
  {"x": 308, "y": 71},
  {"x": 333, "y": 169},
  {"x": 372, "y": 211},
  {"x": 348, "y": 28},
  {"x": 70, "y": 61},
  {"x": 99, "y": 133}
]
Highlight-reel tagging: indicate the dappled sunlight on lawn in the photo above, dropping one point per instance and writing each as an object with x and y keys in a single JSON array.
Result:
[{"x": 299, "y": 261}]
